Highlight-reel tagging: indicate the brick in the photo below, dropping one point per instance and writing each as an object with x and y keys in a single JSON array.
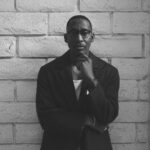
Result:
[
  {"x": 146, "y": 5},
  {"x": 6, "y": 91},
  {"x": 138, "y": 146},
  {"x": 28, "y": 133},
  {"x": 142, "y": 132},
  {"x": 6, "y": 134},
  {"x": 7, "y": 5},
  {"x": 42, "y": 46},
  {"x": 110, "y": 5},
  {"x": 133, "y": 112},
  {"x": 23, "y": 23},
  {"x": 26, "y": 90},
  {"x": 7, "y": 46},
  {"x": 58, "y": 21},
  {"x": 127, "y": 5},
  {"x": 17, "y": 112},
  {"x": 117, "y": 46},
  {"x": 144, "y": 89},
  {"x": 20, "y": 147},
  {"x": 122, "y": 132},
  {"x": 20, "y": 68},
  {"x": 46, "y": 5},
  {"x": 132, "y": 68},
  {"x": 147, "y": 45},
  {"x": 131, "y": 22},
  {"x": 128, "y": 90},
  {"x": 96, "y": 5}
]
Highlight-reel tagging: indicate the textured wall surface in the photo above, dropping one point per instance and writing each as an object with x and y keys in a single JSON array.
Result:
[{"x": 31, "y": 34}]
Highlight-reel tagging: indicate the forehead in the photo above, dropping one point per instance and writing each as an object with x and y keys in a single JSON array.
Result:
[{"x": 79, "y": 24}]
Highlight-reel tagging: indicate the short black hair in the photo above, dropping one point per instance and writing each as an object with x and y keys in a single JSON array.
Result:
[{"x": 78, "y": 17}]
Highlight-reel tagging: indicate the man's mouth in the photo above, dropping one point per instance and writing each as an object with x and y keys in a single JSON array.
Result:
[{"x": 79, "y": 46}]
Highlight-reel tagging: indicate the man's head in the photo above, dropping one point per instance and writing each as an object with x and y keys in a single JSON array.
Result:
[{"x": 79, "y": 36}]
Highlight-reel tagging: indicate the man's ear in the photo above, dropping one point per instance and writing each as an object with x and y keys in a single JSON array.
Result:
[
  {"x": 92, "y": 37},
  {"x": 65, "y": 38}
]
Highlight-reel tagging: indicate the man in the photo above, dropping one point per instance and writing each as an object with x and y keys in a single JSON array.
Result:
[{"x": 77, "y": 94}]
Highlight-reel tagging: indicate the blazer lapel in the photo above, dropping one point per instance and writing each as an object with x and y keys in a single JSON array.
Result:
[{"x": 67, "y": 86}]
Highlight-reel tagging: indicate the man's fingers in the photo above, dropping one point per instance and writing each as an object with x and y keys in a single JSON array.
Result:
[{"x": 82, "y": 57}]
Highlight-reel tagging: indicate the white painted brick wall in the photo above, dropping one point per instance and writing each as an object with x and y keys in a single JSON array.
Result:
[
  {"x": 144, "y": 86},
  {"x": 26, "y": 90},
  {"x": 31, "y": 34},
  {"x": 110, "y": 5},
  {"x": 122, "y": 132},
  {"x": 128, "y": 90},
  {"x": 146, "y": 5},
  {"x": 28, "y": 133},
  {"x": 131, "y": 22},
  {"x": 20, "y": 68},
  {"x": 132, "y": 68},
  {"x": 147, "y": 45},
  {"x": 7, "y": 5},
  {"x": 20, "y": 147},
  {"x": 7, "y": 46},
  {"x": 7, "y": 91},
  {"x": 138, "y": 146},
  {"x": 142, "y": 134},
  {"x": 17, "y": 112},
  {"x": 6, "y": 133},
  {"x": 23, "y": 23},
  {"x": 133, "y": 112},
  {"x": 51, "y": 46},
  {"x": 117, "y": 46},
  {"x": 46, "y": 5}
]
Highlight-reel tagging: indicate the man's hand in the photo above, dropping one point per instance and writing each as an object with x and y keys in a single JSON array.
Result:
[
  {"x": 84, "y": 64},
  {"x": 86, "y": 67}
]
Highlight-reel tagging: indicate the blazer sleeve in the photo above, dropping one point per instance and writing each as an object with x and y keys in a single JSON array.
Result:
[
  {"x": 104, "y": 103},
  {"x": 53, "y": 118}
]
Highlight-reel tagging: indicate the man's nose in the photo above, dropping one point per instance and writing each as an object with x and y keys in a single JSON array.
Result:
[{"x": 79, "y": 37}]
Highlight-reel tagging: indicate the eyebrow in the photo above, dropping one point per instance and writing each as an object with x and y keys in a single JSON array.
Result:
[{"x": 83, "y": 29}]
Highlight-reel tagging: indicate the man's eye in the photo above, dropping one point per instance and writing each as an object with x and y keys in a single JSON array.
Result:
[{"x": 85, "y": 32}]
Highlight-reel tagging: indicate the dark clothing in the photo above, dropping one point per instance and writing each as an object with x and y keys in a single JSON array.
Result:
[{"x": 63, "y": 118}]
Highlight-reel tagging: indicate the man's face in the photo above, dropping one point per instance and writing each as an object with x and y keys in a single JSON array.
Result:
[{"x": 79, "y": 37}]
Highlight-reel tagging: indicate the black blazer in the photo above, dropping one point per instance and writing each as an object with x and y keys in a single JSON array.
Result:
[{"x": 62, "y": 117}]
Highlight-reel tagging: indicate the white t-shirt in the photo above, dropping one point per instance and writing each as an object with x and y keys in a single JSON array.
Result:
[
  {"x": 77, "y": 86},
  {"x": 77, "y": 83}
]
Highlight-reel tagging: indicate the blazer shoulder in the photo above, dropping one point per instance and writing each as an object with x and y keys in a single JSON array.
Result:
[
  {"x": 55, "y": 64},
  {"x": 111, "y": 70},
  {"x": 49, "y": 65},
  {"x": 101, "y": 64}
]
